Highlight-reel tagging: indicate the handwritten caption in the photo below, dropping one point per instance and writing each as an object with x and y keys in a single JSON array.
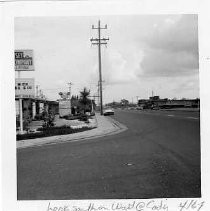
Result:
[{"x": 151, "y": 205}]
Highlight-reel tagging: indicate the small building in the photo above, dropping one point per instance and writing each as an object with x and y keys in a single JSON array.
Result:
[
  {"x": 32, "y": 109},
  {"x": 167, "y": 103}
]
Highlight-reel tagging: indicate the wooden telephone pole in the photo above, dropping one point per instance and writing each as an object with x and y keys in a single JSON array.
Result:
[
  {"x": 99, "y": 41},
  {"x": 70, "y": 84}
]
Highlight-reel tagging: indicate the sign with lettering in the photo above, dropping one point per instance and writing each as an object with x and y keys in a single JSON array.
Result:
[
  {"x": 64, "y": 107},
  {"x": 24, "y": 60},
  {"x": 24, "y": 88},
  {"x": 64, "y": 95}
]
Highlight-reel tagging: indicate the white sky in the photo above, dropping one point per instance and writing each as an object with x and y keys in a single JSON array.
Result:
[{"x": 145, "y": 53}]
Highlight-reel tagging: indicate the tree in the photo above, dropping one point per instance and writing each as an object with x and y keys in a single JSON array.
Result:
[
  {"x": 124, "y": 102},
  {"x": 84, "y": 100}
]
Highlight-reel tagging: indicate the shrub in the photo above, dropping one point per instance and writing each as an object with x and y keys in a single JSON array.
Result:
[
  {"x": 71, "y": 117},
  {"x": 83, "y": 117},
  {"x": 48, "y": 120},
  {"x": 51, "y": 131},
  {"x": 38, "y": 117}
]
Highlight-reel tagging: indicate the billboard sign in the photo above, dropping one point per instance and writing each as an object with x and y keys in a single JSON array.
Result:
[
  {"x": 64, "y": 95},
  {"x": 24, "y": 60},
  {"x": 24, "y": 88},
  {"x": 64, "y": 107}
]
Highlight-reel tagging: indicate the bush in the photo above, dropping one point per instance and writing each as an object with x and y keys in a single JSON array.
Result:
[
  {"x": 25, "y": 123},
  {"x": 71, "y": 117},
  {"x": 38, "y": 117},
  {"x": 48, "y": 120},
  {"x": 83, "y": 117},
  {"x": 51, "y": 131},
  {"x": 80, "y": 117}
]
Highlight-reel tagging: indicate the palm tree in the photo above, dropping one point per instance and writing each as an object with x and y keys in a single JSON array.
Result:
[{"x": 84, "y": 99}]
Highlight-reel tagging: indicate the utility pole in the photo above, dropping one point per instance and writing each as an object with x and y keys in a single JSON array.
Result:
[
  {"x": 137, "y": 98},
  {"x": 40, "y": 93},
  {"x": 98, "y": 93},
  {"x": 37, "y": 91},
  {"x": 70, "y": 84},
  {"x": 99, "y": 41}
]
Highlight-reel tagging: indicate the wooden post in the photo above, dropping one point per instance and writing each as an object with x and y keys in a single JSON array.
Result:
[{"x": 21, "y": 110}]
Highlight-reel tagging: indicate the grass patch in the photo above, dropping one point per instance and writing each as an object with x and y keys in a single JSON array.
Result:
[{"x": 51, "y": 131}]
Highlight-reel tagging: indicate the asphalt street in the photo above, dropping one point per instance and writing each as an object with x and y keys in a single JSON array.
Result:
[{"x": 157, "y": 157}]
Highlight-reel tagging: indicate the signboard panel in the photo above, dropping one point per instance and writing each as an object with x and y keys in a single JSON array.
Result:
[
  {"x": 24, "y": 60},
  {"x": 64, "y": 108},
  {"x": 64, "y": 95},
  {"x": 24, "y": 88}
]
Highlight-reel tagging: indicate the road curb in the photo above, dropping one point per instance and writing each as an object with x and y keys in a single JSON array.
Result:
[
  {"x": 117, "y": 124},
  {"x": 117, "y": 128}
]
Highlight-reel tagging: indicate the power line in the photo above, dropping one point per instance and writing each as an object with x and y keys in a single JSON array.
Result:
[{"x": 99, "y": 41}]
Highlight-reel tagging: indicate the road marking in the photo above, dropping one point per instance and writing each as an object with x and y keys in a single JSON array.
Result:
[
  {"x": 192, "y": 117},
  {"x": 128, "y": 164},
  {"x": 159, "y": 114},
  {"x": 170, "y": 115}
]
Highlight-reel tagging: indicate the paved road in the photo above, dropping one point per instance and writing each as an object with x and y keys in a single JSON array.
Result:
[{"x": 158, "y": 156}]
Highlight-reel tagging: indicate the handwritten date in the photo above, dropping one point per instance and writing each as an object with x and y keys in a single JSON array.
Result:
[{"x": 191, "y": 205}]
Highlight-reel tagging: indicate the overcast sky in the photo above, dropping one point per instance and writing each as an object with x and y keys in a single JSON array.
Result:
[{"x": 145, "y": 53}]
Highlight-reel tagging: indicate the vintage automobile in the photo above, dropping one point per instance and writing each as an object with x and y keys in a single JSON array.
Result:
[{"x": 108, "y": 111}]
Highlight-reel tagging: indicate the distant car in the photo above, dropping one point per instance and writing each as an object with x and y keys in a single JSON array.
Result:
[
  {"x": 108, "y": 112},
  {"x": 155, "y": 108},
  {"x": 139, "y": 108}
]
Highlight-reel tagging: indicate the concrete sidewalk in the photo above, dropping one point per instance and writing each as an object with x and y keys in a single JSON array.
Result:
[{"x": 104, "y": 126}]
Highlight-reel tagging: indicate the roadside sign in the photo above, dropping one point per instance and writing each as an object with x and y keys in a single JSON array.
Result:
[
  {"x": 64, "y": 107},
  {"x": 24, "y": 88},
  {"x": 24, "y": 60},
  {"x": 64, "y": 95}
]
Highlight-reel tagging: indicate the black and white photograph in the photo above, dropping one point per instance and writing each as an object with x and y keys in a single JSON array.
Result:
[{"x": 108, "y": 107}]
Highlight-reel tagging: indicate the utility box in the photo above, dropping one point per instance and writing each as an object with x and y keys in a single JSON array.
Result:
[{"x": 64, "y": 107}]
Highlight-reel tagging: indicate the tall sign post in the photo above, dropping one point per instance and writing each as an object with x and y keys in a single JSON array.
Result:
[
  {"x": 21, "y": 114},
  {"x": 64, "y": 104},
  {"x": 23, "y": 62},
  {"x": 70, "y": 84},
  {"x": 99, "y": 41}
]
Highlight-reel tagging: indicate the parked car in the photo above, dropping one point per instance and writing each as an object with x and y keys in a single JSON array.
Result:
[{"x": 108, "y": 112}]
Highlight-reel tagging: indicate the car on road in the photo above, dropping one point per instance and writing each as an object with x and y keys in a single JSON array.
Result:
[
  {"x": 108, "y": 111},
  {"x": 140, "y": 108},
  {"x": 155, "y": 108}
]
